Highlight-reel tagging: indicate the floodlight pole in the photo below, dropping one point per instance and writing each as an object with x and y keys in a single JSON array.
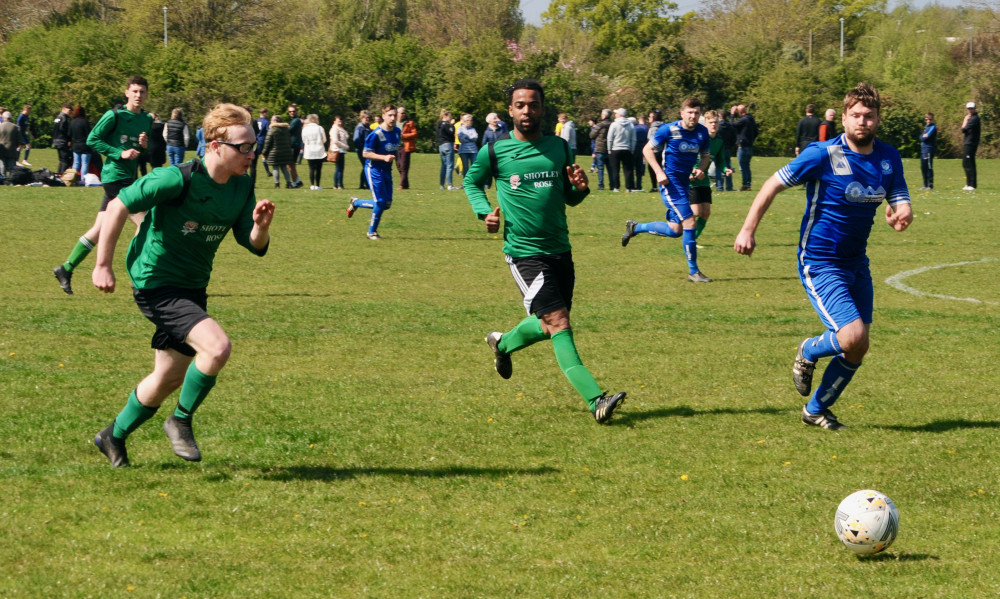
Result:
[
  {"x": 841, "y": 38},
  {"x": 164, "y": 26}
]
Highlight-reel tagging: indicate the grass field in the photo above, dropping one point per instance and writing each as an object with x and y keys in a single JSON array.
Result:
[{"x": 359, "y": 443}]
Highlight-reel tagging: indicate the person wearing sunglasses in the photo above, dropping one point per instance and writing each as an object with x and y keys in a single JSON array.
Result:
[{"x": 190, "y": 209}]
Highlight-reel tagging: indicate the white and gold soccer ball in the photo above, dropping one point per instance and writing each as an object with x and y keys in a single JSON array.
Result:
[{"x": 867, "y": 522}]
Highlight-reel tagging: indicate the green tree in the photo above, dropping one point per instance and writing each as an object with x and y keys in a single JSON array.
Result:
[{"x": 615, "y": 24}]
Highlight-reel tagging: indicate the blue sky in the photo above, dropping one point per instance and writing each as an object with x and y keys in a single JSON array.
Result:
[{"x": 533, "y": 9}]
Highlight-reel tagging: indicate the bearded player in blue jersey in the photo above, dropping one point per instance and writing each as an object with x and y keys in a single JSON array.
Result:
[
  {"x": 846, "y": 180},
  {"x": 381, "y": 147},
  {"x": 683, "y": 142}
]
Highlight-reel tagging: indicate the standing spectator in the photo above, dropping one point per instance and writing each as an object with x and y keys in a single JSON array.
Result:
[
  {"x": 121, "y": 135},
  {"x": 444, "y": 135},
  {"x": 928, "y": 146},
  {"x": 10, "y": 139},
  {"x": 638, "y": 163},
  {"x": 278, "y": 151},
  {"x": 828, "y": 129},
  {"x": 381, "y": 147},
  {"x": 808, "y": 129},
  {"x": 156, "y": 152},
  {"x": 970, "y": 143},
  {"x": 683, "y": 141},
  {"x": 178, "y": 137},
  {"x": 338, "y": 144},
  {"x": 591, "y": 126},
  {"x": 200, "y": 148},
  {"x": 727, "y": 133},
  {"x": 295, "y": 131},
  {"x": 502, "y": 126},
  {"x": 599, "y": 133},
  {"x": 568, "y": 132},
  {"x": 409, "y": 146},
  {"x": 746, "y": 135},
  {"x": 169, "y": 264},
  {"x": 654, "y": 124},
  {"x": 79, "y": 129},
  {"x": 468, "y": 143},
  {"x": 360, "y": 134},
  {"x": 60, "y": 138},
  {"x": 263, "y": 124},
  {"x": 24, "y": 125},
  {"x": 621, "y": 138},
  {"x": 314, "y": 150},
  {"x": 493, "y": 130}
]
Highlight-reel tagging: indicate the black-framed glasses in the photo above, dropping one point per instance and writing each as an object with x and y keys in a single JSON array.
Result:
[{"x": 243, "y": 148}]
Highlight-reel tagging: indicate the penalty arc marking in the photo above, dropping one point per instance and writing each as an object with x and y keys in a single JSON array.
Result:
[{"x": 896, "y": 281}]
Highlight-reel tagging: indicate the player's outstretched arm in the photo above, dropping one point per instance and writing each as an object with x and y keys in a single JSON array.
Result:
[
  {"x": 111, "y": 229},
  {"x": 745, "y": 242},
  {"x": 899, "y": 216},
  {"x": 260, "y": 235}
]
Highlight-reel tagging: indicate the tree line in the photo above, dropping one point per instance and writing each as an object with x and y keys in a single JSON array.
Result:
[{"x": 340, "y": 56}]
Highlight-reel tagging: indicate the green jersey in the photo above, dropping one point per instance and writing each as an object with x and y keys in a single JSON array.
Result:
[
  {"x": 533, "y": 190},
  {"x": 177, "y": 241},
  {"x": 119, "y": 130},
  {"x": 715, "y": 147}
]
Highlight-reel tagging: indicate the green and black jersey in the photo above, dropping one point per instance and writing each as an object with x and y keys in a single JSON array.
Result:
[
  {"x": 715, "y": 147},
  {"x": 117, "y": 131},
  {"x": 533, "y": 190},
  {"x": 177, "y": 240}
]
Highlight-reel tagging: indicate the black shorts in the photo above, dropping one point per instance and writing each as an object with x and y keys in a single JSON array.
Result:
[
  {"x": 174, "y": 311},
  {"x": 700, "y": 194},
  {"x": 546, "y": 282},
  {"x": 111, "y": 191}
]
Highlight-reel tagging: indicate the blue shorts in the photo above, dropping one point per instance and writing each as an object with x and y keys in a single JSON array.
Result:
[
  {"x": 380, "y": 183},
  {"x": 840, "y": 294},
  {"x": 675, "y": 197}
]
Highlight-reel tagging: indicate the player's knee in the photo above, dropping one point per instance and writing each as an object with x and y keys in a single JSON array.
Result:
[
  {"x": 854, "y": 342},
  {"x": 218, "y": 350}
]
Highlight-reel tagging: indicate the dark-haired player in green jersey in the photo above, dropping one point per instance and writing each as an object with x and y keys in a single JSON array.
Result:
[
  {"x": 169, "y": 262},
  {"x": 121, "y": 135},
  {"x": 536, "y": 179}
]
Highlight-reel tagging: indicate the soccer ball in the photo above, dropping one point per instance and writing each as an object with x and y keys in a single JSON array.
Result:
[{"x": 867, "y": 522}]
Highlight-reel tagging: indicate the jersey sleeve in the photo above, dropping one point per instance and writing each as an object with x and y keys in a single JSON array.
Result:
[
  {"x": 705, "y": 139},
  {"x": 898, "y": 191},
  {"x": 806, "y": 167},
  {"x": 479, "y": 175},
  {"x": 104, "y": 127},
  {"x": 161, "y": 185},
  {"x": 244, "y": 223},
  {"x": 371, "y": 142}
]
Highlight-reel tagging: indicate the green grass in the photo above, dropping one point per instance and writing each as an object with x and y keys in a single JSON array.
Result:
[{"x": 359, "y": 444}]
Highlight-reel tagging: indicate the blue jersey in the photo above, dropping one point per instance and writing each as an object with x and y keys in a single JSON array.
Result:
[
  {"x": 843, "y": 191},
  {"x": 381, "y": 141},
  {"x": 682, "y": 148},
  {"x": 928, "y": 139}
]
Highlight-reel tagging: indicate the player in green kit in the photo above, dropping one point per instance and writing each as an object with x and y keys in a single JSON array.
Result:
[
  {"x": 121, "y": 136},
  {"x": 536, "y": 179},
  {"x": 189, "y": 209},
  {"x": 700, "y": 191}
]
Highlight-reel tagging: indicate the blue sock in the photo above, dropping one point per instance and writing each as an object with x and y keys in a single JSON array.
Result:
[
  {"x": 376, "y": 218},
  {"x": 821, "y": 346},
  {"x": 836, "y": 377},
  {"x": 691, "y": 250},
  {"x": 658, "y": 228},
  {"x": 359, "y": 203}
]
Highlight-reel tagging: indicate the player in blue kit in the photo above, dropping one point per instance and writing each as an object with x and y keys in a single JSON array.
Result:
[
  {"x": 846, "y": 180},
  {"x": 683, "y": 143},
  {"x": 381, "y": 147}
]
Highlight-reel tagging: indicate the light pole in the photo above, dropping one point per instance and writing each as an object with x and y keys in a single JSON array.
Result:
[
  {"x": 841, "y": 38},
  {"x": 164, "y": 26}
]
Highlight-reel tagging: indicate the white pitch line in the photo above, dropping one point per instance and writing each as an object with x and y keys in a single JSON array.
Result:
[{"x": 897, "y": 282}]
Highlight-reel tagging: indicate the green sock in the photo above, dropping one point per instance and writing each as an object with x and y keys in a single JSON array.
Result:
[
  {"x": 80, "y": 251},
  {"x": 527, "y": 332},
  {"x": 699, "y": 226},
  {"x": 573, "y": 368},
  {"x": 131, "y": 417},
  {"x": 193, "y": 392}
]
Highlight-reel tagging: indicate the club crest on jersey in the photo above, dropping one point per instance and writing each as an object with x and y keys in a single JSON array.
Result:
[
  {"x": 886, "y": 167},
  {"x": 124, "y": 138},
  {"x": 515, "y": 182},
  {"x": 675, "y": 132},
  {"x": 189, "y": 227},
  {"x": 859, "y": 194}
]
